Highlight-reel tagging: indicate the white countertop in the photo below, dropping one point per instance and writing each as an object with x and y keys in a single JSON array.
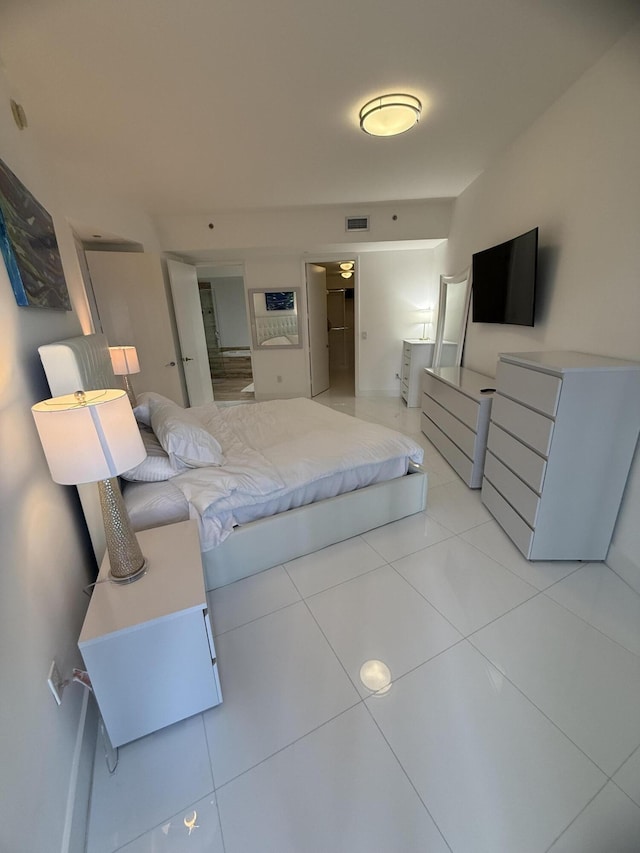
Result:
[{"x": 564, "y": 361}]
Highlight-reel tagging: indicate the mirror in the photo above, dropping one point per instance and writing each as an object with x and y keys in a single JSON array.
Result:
[
  {"x": 453, "y": 310},
  {"x": 274, "y": 318}
]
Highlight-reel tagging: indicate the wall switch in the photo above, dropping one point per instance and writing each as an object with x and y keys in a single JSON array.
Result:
[
  {"x": 278, "y": 378},
  {"x": 364, "y": 336},
  {"x": 55, "y": 682}
]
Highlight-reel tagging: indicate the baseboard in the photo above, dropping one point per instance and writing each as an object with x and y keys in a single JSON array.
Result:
[
  {"x": 624, "y": 566},
  {"x": 77, "y": 813}
]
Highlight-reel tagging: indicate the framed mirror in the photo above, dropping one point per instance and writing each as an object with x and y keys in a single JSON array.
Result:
[
  {"x": 274, "y": 317},
  {"x": 453, "y": 310}
]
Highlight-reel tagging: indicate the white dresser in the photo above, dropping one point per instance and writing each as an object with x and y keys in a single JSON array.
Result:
[
  {"x": 564, "y": 427},
  {"x": 455, "y": 418},
  {"x": 148, "y": 645},
  {"x": 416, "y": 355}
]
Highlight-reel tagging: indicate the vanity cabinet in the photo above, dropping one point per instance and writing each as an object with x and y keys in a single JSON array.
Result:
[
  {"x": 563, "y": 430},
  {"x": 455, "y": 418}
]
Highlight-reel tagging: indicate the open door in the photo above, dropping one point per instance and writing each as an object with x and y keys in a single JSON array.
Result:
[
  {"x": 318, "y": 329},
  {"x": 193, "y": 345}
]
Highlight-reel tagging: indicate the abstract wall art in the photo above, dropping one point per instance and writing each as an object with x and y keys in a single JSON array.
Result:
[{"x": 29, "y": 247}]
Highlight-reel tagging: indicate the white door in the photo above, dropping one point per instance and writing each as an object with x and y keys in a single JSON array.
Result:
[
  {"x": 131, "y": 299},
  {"x": 318, "y": 330},
  {"x": 193, "y": 345}
]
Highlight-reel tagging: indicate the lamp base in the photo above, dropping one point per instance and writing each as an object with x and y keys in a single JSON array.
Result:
[
  {"x": 129, "y": 578},
  {"x": 130, "y": 392},
  {"x": 126, "y": 560}
]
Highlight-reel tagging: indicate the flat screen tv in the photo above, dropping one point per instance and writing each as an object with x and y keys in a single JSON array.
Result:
[
  {"x": 282, "y": 301},
  {"x": 504, "y": 281}
]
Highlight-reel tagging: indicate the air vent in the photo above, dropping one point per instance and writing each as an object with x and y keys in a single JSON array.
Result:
[{"x": 357, "y": 223}]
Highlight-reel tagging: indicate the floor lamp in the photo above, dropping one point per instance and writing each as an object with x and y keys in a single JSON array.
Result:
[{"x": 91, "y": 437}]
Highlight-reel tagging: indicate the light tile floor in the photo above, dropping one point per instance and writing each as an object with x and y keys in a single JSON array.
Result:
[{"x": 507, "y": 717}]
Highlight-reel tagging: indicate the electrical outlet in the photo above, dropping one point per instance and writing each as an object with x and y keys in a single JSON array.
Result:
[
  {"x": 55, "y": 682},
  {"x": 397, "y": 376}
]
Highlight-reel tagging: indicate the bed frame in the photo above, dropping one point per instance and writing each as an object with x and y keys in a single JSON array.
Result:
[{"x": 83, "y": 363}]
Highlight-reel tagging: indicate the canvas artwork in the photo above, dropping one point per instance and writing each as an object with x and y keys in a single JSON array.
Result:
[{"x": 29, "y": 247}]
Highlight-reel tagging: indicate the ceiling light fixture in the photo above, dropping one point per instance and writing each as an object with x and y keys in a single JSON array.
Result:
[
  {"x": 346, "y": 274},
  {"x": 389, "y": 115},
  {"x": 347, "y": 265}
]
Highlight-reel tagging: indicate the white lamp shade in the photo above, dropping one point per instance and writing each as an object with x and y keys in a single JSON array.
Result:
[
  {"x": 425, "y": 315},
  {"x": 90, "y": 441},
  {"x": 124, "y": 360}
]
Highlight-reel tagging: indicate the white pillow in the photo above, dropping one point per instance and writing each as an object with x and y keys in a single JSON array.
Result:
[
  {"x": 141, "y": 410},
  {"x": 182, "y": 436},
  {"x": 156, "y": 467}
]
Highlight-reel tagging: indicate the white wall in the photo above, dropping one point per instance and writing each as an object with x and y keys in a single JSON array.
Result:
[
  {"x": 320, "y": 228},
  {"x": 292, "y": 366},
  {"x": 46, "y": 557},
  {"x": 576, "y": 174},
  {"x": 393, "y": 286},
  {"x": 231, "y": 313}
]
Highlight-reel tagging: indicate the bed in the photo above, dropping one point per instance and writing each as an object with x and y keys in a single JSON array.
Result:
[{"x": 271, "y": 453}]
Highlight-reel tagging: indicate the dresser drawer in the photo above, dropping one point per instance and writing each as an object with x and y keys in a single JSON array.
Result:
[
  {"x": 524, "y": 462},
  {"x": 451, "y": 452},
  {"x": 523, "y": 499},
  {"x": 463, "y": 407},
  {"x": 406, "y": 351},
  {"x": 541, "y": 391},
  {"x": 454, "y": 429},
  {"x": 529, "y": 426},
  {"x": 516, "y": 529}
]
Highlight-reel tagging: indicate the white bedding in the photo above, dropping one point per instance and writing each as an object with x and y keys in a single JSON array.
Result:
[{"x": 277, "y": 455}]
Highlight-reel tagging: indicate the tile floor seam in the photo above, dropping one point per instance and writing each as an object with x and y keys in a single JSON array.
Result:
[
  {"x": 442, "y": 524},
  {"x": 502, "y": 565},
  {"x": 286, "y": 746},
  {"x": 257, "y": 618},
  {"x": 328, "y": 642},
  {"x": 625, "y": 582},
  {"x": 571, "y": 822},
  {"x": 409, "y": 779},
  {"x": 590, "y": 624},
  {"x": 423, "y": 596},
  {"x": 213, "y": 777},
  {"x": 335, "y": 585},
  {"x": 622, "y": 763},
  {"x": 622, "y": 790},
  {"x": 424, "y": 548},
  {"x": 544, "y": 714},
  {"x": 475, "y": 631}
]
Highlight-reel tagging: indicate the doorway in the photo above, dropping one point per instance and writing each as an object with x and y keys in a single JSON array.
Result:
[
  {"x": 341, "y": 320},
  {"x": 226, "y": 329}
]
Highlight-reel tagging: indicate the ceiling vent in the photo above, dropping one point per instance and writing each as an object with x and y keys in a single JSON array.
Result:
[{"x": 357, "y": 223}]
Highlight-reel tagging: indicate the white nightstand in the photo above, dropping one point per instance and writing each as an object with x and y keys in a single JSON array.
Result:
[{"x": 148, "y": 645}]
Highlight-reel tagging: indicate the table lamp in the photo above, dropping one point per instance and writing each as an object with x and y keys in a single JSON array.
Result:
[
  {"x": 91, "y": 437},
  {"x": 124, "y": 361},
  {"x": 425, "y": 316}
]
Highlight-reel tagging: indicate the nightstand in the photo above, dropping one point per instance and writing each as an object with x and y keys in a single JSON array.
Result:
[{"x": 148, "y": 646}]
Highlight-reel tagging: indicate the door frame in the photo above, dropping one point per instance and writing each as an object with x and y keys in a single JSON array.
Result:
[{"x": 332, "y": 257}]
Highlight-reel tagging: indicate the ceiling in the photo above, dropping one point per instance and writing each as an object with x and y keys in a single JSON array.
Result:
[{"x": 184, "y": 106}]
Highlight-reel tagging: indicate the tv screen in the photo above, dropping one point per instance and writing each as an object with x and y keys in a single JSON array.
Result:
[
  {"x": 282, "y": 301},
  {"x": 504, "y": 281}
]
